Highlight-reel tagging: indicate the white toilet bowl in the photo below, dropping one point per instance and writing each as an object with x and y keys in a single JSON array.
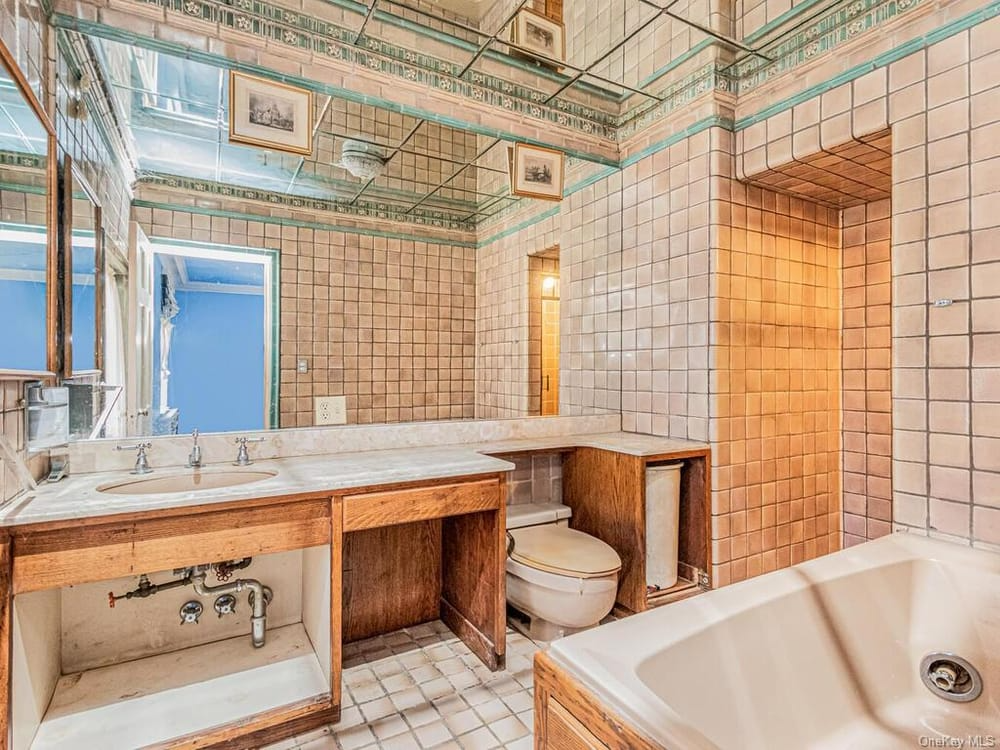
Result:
[{"x": 563, "y": 580}]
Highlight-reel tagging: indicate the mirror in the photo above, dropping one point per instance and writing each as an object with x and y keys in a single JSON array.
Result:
[
  {"x": 354, "y": 293},
  {"x": 303, "y": 254},
  {"x": 86, "y": 254},
  {"x": 26, "y": 251},
  {"x": 95, "y": 334}
]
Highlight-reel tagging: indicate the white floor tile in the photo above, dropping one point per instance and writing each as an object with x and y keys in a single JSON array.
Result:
[{"x": 422, "y": 689}]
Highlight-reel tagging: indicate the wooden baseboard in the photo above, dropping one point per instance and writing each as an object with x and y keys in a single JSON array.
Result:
[
  {"x": 474, "y": 638},
  {"x": 262, "y": 729}
]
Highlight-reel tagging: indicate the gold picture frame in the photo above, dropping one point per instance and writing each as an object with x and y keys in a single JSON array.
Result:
[
  {"x": 537, "y": 33},
  {"x": 268, "y": 114},
  {"x": 537, "y": 172}
]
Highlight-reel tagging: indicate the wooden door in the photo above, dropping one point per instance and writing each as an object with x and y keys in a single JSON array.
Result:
[{"x": 139, "y": 348}]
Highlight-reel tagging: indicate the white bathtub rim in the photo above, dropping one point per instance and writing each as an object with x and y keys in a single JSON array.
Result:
[{"x": 584, "y": 655}]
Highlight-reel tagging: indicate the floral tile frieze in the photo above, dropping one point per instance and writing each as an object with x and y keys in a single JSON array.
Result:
[
  {"x": 842, "y": 24},
  {"x": 360, "y": 209},
  {"x": 786, "y": 50}
]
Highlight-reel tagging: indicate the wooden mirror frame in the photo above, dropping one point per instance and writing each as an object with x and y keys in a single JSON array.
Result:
[
  {"x": 54, "y": 311},
  {"x": 70, "y": 175}
]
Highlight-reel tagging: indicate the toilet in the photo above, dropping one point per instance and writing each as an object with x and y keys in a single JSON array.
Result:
[{"x": 562, "y": 579}]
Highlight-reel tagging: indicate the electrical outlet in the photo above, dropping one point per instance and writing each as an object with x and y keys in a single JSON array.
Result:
[{"x": 331, "y": 410}]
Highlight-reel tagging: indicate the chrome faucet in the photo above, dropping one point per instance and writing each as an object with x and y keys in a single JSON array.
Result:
[
  {"x": 243, "y": 456},
  {"x": 194, "y": 458},
  {"x": 141, "y": 460}
]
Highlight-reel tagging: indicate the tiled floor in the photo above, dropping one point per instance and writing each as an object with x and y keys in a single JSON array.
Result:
[{"x": 422, "y": 688}]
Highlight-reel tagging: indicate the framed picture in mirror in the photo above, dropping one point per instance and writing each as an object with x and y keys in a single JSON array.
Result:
[
  {"x": 538, "y": 34},
  {"x": 537, "y": 172},
  {"x": 271, "y": 115}
]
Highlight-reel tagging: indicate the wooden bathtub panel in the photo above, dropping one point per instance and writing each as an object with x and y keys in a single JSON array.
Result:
[{"x": 558, "y": 694}]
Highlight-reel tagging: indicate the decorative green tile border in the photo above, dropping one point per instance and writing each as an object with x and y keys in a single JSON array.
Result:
[
  {"x": 879, "y": 61},
  {"x": 833, "y": 29},
  {"x": 829, "y": 31},
  {"x": 361, "y": 209},
  {"x": 788, "y": 15},
  {"x": 708, "y": 78},
  {"x": 300, "y": 223},
  {"x": 465, "y": 46},
  {"x": 22, "y": 160},
  {"x": 125, "y": 36}
]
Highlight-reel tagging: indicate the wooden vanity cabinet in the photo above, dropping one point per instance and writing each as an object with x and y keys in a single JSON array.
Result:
[
  {"x": 414, "y": 554},
  {"x": 55, "y": 555},
  {"x": 607, "y": 493}
]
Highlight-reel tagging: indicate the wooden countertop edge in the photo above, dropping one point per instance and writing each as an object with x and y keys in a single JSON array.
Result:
[{"x": 7, "y": 531}]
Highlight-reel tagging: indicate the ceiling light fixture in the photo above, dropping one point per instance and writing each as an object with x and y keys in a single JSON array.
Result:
[{"x": 362, "y": 159}]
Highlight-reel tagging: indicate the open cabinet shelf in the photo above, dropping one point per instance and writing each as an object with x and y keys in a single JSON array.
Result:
[
  {"x": 160, "y": 698},
  {"x": 132, "y": 676}
]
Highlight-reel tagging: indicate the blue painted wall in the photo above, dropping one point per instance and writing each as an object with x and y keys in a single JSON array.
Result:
[
  {"x": 22, "y": 325},
  {"x": 216, "y": 361},
  {"x": 83, "y": 327}
]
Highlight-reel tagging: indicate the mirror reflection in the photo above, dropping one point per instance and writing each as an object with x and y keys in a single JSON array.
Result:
[
  {"x": 300, "y": 254},
  {"x": 202, "y": 295},
  {"x": 362, "y": 316},
  {"x": 84, "y": 251},
  {"x": 23, "y": 231}
]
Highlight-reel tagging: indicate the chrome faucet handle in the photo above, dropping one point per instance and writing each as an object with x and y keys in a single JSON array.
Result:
[
  {"x": 243, "y": 456},
  {"x": 194, "y": 458},
  {"x": 141, "y": 460}
]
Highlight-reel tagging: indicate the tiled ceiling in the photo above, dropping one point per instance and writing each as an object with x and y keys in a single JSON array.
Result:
[{"x": 856, "y": 172}]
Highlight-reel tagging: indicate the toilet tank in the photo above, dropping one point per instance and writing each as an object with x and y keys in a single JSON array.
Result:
[{"x": 521, "y": 515}]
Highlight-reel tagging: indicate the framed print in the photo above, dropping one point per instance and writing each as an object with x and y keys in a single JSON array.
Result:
[
  {"x": 269, "y": 114},
  {"x": 537, "y": 33},
  {"x": 537, "y": 172}
]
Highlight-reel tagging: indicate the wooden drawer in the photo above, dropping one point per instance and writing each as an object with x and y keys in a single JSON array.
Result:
[
  {"x": 71, "y": 555},
  {"x": 565, "y": 732},
  {"x": 376, "y": 509}
]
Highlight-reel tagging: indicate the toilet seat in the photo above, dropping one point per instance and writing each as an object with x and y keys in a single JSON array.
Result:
[{"x": 564, "y": 551}]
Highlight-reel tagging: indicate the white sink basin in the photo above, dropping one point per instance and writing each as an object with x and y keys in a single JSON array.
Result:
[{"x": 192, "y": 481}]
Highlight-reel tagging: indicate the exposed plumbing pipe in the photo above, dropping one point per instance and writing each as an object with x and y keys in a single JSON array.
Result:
[
  {"x": 258, "y": 620},
  {"x": 195, "y": 576}
]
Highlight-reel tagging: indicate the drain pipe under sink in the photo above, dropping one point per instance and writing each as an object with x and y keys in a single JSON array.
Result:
[{"x": 258, "y": 620}]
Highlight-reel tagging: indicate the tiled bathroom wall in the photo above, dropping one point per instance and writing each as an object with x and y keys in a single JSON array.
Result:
[
  {"x": 941, "y": 104},
  {"x": 586, "y": 228},
  {"x": 537, "y": 478},
  {"x": 503, "y": 377},
  {"x": 390, "y": 323},
  {"x": 776, "y": 385},
  {"x": 867, "y": 371},
  {"x": 13, "y": 428},
  {"x": 665, "y": 290}
]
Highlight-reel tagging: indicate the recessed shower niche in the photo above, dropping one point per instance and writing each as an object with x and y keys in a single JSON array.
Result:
[{"x": 168, "y": 662}]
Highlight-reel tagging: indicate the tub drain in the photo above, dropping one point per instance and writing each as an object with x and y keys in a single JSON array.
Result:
[{"x": 951, "y": 677}]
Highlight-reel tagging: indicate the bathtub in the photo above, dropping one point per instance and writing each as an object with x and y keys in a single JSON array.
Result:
[{"x": 822, "y": 655}]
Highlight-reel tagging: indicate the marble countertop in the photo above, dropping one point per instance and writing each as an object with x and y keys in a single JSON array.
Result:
[
  {"x": 629, "y": 443},
  {"x": 79, "y": 497}
]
